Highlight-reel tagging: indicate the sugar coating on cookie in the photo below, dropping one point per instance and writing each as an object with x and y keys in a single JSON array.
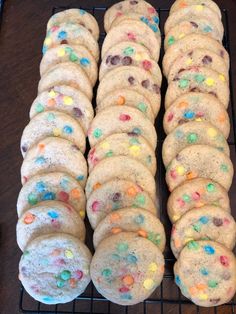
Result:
[
  {"x": 72, "y": 34},
  {"x": 126, "y": 268},
  {"x": 133, "y": 31},
  {"x": 55, "y": 186},
  {"x": 196, "y": 193},
  {"x": 137, "y": 220},
  {"x": 48, "y": 217},
  {"x": 191, "y": 42},
  {"x": 77, "y": 16},
  {"x": 128, "y": 53},
  {"x": 127, "y": 97},
  {"x": 116, "y": 194},
  {"x": 54, "y": 154},
  {"x": 118, "y": 119},
  {"x": 192, "y": 133},
  {"x": 207, "y": 222},
  {"x": 66, "y": 73},
  {"x": 199, "y": 79},
  {"x": 133, "y": 78},
  {"x": 76, "y": 54},
  {"x": 123, "y": 144},
  {"x": 65, "y": 99},
  {"x": 199, "y": 107},
  {"x": 52, "y": 123},
  {"x": 209, "y": 280},
  {"x": 121, "y": 168},
  {"x": 55, "y": 268},
  {"x": 193, "y": 162}
]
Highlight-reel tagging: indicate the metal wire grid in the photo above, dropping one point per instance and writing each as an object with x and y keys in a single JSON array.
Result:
[{"x": 167, "y": 296}]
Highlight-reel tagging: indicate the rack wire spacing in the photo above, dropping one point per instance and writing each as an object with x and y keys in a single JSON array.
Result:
[{"x": 167, "y": 298}]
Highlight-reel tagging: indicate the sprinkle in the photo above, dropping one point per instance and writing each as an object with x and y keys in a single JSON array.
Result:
[
  {"x": 181, "y": 35},
  {"x": 52, "y": 93},
  {"x": 60, "y": 283},
  {"x": 114, "y": 217},
  {"x": 207, "y": 29},
  {"x": 96, "y": 186},
  {"x": 69, "y": 254},
  {"x": 79, "y": 274},
  {"x": 189, "y": 61},
  {"x": 51, "y": 117},
  {"x": 148, "y": 284},
  {"x": 63, "y": 196},
  {"x": 29, "y": 218},
  {"x": 68, "y": 100},
  {"x": 128, "y": 280},
  {"x": 105, "y": 145},
  {"x": 210, "y": 81},
  {"x": 72, "y": 283},
  {"x": 124, "y": 117},
  {"x": 191, "y": 175},
  {"x": 201, "y": 286},
  {"x": 209, "y": 249}
]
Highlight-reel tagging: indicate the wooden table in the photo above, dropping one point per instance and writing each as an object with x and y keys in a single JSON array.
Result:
[{"x": 22, "y": 33}]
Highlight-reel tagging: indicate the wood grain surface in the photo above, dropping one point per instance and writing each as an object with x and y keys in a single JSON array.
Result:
[{"x": 22, "y": 33}]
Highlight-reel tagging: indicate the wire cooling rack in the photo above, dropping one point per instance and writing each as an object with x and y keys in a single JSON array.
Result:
[{"x": 167, "y": 298}]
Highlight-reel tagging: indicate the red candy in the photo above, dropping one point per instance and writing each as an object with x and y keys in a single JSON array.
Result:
[
  {"x": 63, "y": 196},
  {"x": 170, "y": 117},
  {"x": 173, "y": 174},
  {"x": 95, "y": 206},
  {"x": 151, "y": 10},
  {"x": 196, "y": 196},
  {"x": 79, "y": 274},
  {"x": 124, "y": 117},
  {"x": 147, "y": 65},
  {"x": 224, "y": 261},
  {"x": 131, "y": 36},
  {"x": 124, "y": 289}
]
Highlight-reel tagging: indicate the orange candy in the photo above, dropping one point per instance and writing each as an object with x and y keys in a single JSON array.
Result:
[
  {"x": 192, "y": 290},
  {"x": 75, "y": 193},
  {"x": 142, "y": 233},
  {"x": 177, "y": 243},
  {"x": 96, "y": 186},
  {"x": 56, "y": 252},
  {"x": 73, "y": 283},
  {"x": 183, "y": 5},
  {"x": 29, "y": 218},
  {"x": 114, "y": 217},
  {"x": 183, "y": 104},
  {"x": 41, "y": 146},
  {"x": 191, "y": 175},
  {"x": 116, "y": 230},
  {"x": 132, "y": 191},
  {"x": 120, "y": 100},
  {"x": 221, "y": 117},
  {"x": 201, "y": 286},
  {"x": 128, "y": 280},
  {"x": 51, "y": 102}
]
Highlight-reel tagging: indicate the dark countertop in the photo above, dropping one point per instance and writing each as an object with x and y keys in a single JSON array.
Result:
[{"x": 22, "y": 33}]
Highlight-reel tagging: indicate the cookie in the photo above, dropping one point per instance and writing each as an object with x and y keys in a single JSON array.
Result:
[
  {"x": 117, "y": 194},
  {"x": 54, "y": 154},
  {"x": 194, "y": 12},
  {"x": 65, "y": 99},
  {"x": 121, "y": 119},
  {"x": 198, "y": 58},
  {"x": 128, "y": 53},
  {"x": 121, "y": 168},
  {"x": 137, "y": 220},
  {"x": 125, "y": 8},
  {"x": 133, "y": 31},
  {"x": 55, "y": 268},
  {"x": 207, "y": 222},
  {"x": 200, "y": 161},
  {"x": 126, "y": 268},
  {"x": 127, "y": 97},
  {"x": 198, "y": 79},
  {"x": 196, "y": 106},
  {"x": 180, "y": 4},
  {"x": 78, "y": 55},
  {"x": 56, "y": 186},
  {"x": 191, "y": 42},
  {"x": 123, "y": 144},
  {"x": 196, "y": 193},
  {"x": 71, "y": 34},
  {"x": 76, "y": 16},
  {"x": 206, "y": 273},
  {"x": 46, "y": 218},
  {"x": 133, "y": 78},
  {"x": 192, "y": 25},
  {"x": 52, "y": 123},
  {"x": 192, "y": 133},
  {"x": 66, "y": 73}
]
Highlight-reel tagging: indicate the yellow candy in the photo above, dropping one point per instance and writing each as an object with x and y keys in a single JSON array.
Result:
[
  {"x": 69, "y": 254},
  {"x": 211, "y": 132},
  {"x": 203, "y": 296},
  {"x": 138, "y": 57},
  {"x": 198, "y": 119},
  {"x": 47, "y": 41},
  {"x": 180, "y": 170},
  {"x": 56, "y": 131},
  {"x": 61, "y": 52},
  {"x": 209, "y": 81},
  {"x": 134, "y": 150},
  {"x": 148, "y": 284},
  {"x": 199, "y": 7},
  {"x": 52, "y": 93},
  {"x": 221, "y": 77},
  {"x": 189, "y": 61},
  {"x": 152, "y": 267},
  {"x": 176, "y": 217},
  {"x": 82, "y": 213},
  {"x": 181, "y": 35},
  {"x": 105, "y": 145},
  {"x": 68, "y": 100}
]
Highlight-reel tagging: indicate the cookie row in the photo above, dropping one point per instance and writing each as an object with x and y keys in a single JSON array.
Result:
[
  {"x": 196, "y": 154},
  {"x": 129, "y": 239},
  {"x": 54, "y": 267}
]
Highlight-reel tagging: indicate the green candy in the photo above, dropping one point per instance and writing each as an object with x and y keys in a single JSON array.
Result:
[
  {"x": 186, "y": 198},
  {"x": 154, "y": 237},
  {"x": 192, "y": 138},
  {"x": 134, "y": 140},
  {"x": 193, "y": 245},
  {"x": 39, "y": 108},
  {"x": 122, "y": 247},
  {"x": 197, "y": 227},
  {"x": 97, "y": 133},
  {"x": 106, "y": 272},
  {"x": 73, "y": 57},
  {"x": 65, "y": 275},
  {"x": 183, "y": 83},
  {"x": 128, "y": 51},
  {"x": 199, "y": 78},
  {"x": 32, "y": 199},
  {"x": 171, "y": 40},
  {"x": 142, "y": 107},
  {"x": 140, "y": 199},
  {"x": 224, "y": 168},
  {"x": 68, "y": 49},
  {"x": 210, "y": 187},
  {"x": 60, "y": 283},
  {"x": 212, "y": 283},
  {"x": 109, "y": 154}
]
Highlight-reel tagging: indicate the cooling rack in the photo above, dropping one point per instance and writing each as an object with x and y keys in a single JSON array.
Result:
[{"x": 167, "y": 298}]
